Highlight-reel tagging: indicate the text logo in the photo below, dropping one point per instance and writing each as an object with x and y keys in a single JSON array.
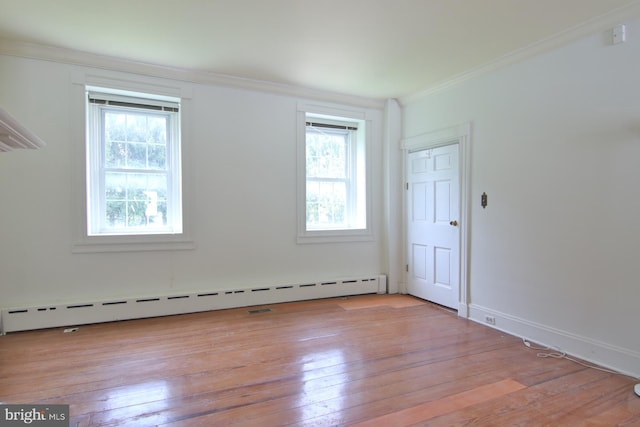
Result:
[{"x": 34, "y": 415}]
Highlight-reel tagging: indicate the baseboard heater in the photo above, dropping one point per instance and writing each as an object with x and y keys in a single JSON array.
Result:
[{"x": 50, "y": 316}]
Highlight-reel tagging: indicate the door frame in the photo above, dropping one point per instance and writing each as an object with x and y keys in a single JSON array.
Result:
[{"x": 453, "y": 135}]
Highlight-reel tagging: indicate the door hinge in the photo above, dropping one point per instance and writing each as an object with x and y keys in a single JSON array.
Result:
[
  {"x": 407, "y": 185},
  {"x": 407, "y": 268}
]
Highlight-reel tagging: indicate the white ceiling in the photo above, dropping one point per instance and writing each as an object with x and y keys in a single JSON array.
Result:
[{"x": 368, "y": 48}]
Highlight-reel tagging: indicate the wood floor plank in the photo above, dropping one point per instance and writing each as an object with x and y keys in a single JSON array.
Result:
[
  {"x": 603, "y": 414},
  {"x": 444, "y": 405},
  {"x": 374, "y": 301},
  {"x": 316, "y": 378},
  {"x": 320, "y": 402},
  {"x": 540, "y": 403},
  {"x": 338, "y": 361}
]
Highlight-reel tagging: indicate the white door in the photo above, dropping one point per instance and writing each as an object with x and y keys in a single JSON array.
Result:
[{"x": 433, "y": 232}]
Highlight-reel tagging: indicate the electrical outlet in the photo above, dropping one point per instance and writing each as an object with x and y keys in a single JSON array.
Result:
[{"x": 490, "y": 320}]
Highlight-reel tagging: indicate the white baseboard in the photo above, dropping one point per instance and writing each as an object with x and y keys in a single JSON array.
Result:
[
  {"x": 463, "y": 310},
  {"x": 49, "y": 316},
  {"x": 616, "y": 358},
  {"x": 382, "y": 284}
]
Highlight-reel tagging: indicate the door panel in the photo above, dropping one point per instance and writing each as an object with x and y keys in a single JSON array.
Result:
[
  {"x": 433, "y": 238},
  {"x": 442, "y": 267},
  {"x": 419, "y": 205},
  {"x": 419, "y": 261},
  {"x": 442, "y": 202}
]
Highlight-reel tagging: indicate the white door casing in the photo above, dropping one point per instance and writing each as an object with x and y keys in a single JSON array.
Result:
[
  {"x": 432, "y": 225},
  {"x": 460, "y": 135}
]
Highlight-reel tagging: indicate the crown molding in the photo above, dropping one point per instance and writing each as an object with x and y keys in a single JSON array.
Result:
[
  {"x": 14, "y": 136},
  {"x": 598, "y": 24},
  {"x": 86, "y": 59}
]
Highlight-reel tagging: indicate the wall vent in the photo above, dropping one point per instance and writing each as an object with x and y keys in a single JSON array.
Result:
[
  {"x": 49, "y": 316},
  {"x": 260, "y": 310}
]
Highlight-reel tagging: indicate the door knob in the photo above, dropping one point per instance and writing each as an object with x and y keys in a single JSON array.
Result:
[{"x": 454, "y": 223}]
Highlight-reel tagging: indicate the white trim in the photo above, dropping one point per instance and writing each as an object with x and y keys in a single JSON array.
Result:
[
  {"x": 435, "y": 138},
  {"x": 456, "y": 134},
  {"x": 84, "y": 312},
  {"x": 620, "y": 359},
  {"x": 97, "y": 171},
  {"x": 82, "y": 243},
  {"x": 601, "y": 23},
  {"x": 14, "y": 136},
  {"x": 332, "y": 236},
  {"x": 392, "y": 191},
  {"x": 69, "y": 56},
  {"x": 143, "y": 99},
  {"x": 103, "y": 62}
]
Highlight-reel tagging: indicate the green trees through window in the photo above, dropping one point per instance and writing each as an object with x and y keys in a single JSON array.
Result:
[
  {"x": 135, "y": 143},
  {"x": 334, "y": 174},
  {"x": 133, "y": 165},
  {"x": 327, "y": 153}
]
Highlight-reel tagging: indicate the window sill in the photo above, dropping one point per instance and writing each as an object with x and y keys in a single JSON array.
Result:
[
  {"x": 337, "y": 236},
  {"x": 98, "y": 244}
]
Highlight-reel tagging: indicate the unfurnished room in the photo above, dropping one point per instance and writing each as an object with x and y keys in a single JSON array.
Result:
[{"x": 335, "y": 213}]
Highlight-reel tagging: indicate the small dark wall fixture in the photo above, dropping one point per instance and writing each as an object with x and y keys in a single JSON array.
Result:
[{"x": 483, "y": 200}]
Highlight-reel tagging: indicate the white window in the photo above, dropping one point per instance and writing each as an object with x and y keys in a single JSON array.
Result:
[
  {"x": 133, "y": 164},
  {"x": 333, "y": 201}
]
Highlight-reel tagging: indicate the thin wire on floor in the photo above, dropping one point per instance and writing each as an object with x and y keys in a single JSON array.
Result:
[{"x": 556, "y": 353}]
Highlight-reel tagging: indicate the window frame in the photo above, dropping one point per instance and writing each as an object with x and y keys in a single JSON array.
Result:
[
  {"x": 115, "y": 84},
  {"x": 99, "y": 105},
  {"x": 359, "y": 174}
]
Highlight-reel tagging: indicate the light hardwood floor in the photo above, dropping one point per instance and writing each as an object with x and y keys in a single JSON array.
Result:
[{"x": 377, "y": 360}]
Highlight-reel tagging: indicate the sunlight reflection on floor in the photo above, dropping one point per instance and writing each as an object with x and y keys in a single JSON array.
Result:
[
  {"x": 317, "y": 398},
  {"x": 128, "y": 401}
]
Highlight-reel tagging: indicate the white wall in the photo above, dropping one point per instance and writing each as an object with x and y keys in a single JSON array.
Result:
[
  {"x": 244, "y": 186},
  {"x": 555, "y": 145},
  {"x": 393, "y": 212}
]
